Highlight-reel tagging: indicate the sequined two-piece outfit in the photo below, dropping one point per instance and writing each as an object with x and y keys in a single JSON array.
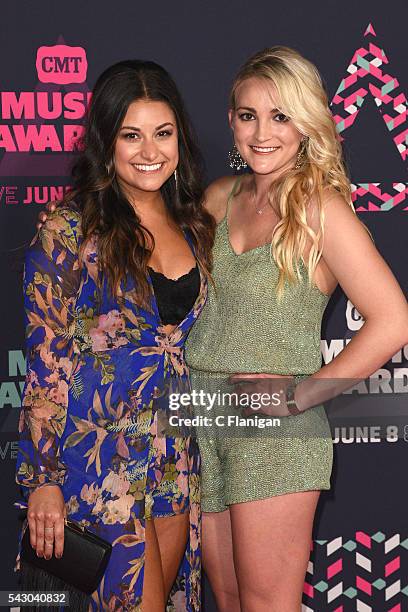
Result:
[
  {"x": 245, "y": 329},
  {"x": 100, "y": 370}
]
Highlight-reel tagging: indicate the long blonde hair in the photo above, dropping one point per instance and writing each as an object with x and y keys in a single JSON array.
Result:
[{"x": 301, "y": 97}]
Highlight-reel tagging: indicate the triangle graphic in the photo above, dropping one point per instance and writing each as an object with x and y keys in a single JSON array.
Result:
[
  {"x": 370, "y": 30},
  {"x": 368, "y": 74},
  {"x": 41, "y": 164}
]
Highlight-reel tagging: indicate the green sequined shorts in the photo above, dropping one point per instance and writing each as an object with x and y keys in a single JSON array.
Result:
[{"x": 262, "y": 462}]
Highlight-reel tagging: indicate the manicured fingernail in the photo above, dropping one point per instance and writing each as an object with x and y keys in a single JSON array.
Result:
[
  {"x": 58, "y": 556},
  {"x": 47, "y": 558}
]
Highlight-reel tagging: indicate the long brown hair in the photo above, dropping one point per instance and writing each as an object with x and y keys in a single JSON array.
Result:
[{"x": 124, "y": 245}]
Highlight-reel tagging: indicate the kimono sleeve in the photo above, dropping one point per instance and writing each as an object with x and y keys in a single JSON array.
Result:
[{"x": 51, "y": 284}]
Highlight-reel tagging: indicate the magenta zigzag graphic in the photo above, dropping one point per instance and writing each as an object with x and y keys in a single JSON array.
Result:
[
  {"x": 365, "y": 573},
  {"x": 370, "y": 197},
  {"x": 368, "y": 75}
]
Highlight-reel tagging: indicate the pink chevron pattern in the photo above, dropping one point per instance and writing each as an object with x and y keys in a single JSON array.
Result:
[
  {"x": 367, "y": 572},
  {"x": 363, "y": 538},
  {"x": 392, "y": 566},
  {"x": 334, "y": 568},
  {"x": 376, "y": 197},
  {"x": 368, "y": 73},
  {"x": 363, "y": 585}
]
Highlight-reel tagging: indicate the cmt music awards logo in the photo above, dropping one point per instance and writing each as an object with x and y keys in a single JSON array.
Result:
[
  {"x": 368, "y": 75},
  {"x": 384, "y": 418},
  {"x": 39, "y": 129}
]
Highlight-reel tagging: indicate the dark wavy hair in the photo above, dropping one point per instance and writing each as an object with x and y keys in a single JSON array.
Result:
[{"x": 124, "y": 245}]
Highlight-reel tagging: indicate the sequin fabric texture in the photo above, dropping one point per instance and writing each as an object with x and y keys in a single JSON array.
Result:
[
  {"x": 99, "y": 374},
  {"x": 244, "y": 328}
]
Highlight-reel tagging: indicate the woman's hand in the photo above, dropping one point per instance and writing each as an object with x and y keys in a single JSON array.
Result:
[
  {"x": 266, "y": 392},
  {"x": 46, "y": 514},
  {"x": 42, "y": 215}
]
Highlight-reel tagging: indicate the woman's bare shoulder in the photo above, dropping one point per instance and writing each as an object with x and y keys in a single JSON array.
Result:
[
  {"x": 216, "y": 196},
  {"x": 331, "y": 202}
]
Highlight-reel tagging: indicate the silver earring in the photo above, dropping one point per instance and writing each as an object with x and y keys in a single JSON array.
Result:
[
  {"x": 176, "y": 178},
  {"x": 300, "y": 158},
  {"x": 235, "y": 159}
]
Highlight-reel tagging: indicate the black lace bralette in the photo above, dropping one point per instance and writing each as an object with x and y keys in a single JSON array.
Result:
[{"x": 175, "y": 297}]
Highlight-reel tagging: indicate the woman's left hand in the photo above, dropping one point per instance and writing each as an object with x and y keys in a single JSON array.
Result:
[{"x": 266, "y": 393}]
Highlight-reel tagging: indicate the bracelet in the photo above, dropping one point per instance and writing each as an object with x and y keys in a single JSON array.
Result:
[{"x": 290, "y": 400}]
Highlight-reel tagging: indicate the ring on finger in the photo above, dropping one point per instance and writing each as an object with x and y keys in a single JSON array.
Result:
[{"x": 48, "y": 528}]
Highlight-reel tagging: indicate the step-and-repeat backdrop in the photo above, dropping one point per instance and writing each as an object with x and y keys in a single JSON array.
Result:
[{"x": 51, "y": 54}]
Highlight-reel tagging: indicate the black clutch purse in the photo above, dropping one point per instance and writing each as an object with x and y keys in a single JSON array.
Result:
[{"x": 79, "y": 571}]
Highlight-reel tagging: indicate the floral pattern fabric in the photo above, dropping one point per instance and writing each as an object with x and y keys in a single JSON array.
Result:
[{"x": 99, "y": 372}]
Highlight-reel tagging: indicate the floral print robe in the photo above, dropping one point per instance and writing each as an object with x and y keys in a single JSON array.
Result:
[{"x": 99, "y": 373}]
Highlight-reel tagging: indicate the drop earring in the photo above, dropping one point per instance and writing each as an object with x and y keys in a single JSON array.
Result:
[
  {"x": 235, "y": 159},
  {"x": 300, "y": 158}
]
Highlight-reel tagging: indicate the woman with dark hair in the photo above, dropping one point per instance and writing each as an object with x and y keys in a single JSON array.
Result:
[{"x": 113, "y": 282}]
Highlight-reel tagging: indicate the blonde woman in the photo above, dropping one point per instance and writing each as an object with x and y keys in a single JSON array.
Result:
[{"x": 286, "y": 236}]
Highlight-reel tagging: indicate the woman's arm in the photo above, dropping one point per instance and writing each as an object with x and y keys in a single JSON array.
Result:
[
  {"x": 216, "y": 196},
  {"x": 368, "y": 282},
  {"x": 51, "y": 281}
]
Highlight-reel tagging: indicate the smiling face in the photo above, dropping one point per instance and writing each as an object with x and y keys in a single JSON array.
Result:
[
  {"x": 146, "y": 149},
  {"x": 266, "y": 138}
]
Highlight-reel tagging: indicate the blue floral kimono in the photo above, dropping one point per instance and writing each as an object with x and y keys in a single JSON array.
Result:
[{"x": 100, "y": 370}]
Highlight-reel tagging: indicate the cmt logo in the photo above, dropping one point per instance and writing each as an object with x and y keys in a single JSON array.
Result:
[
  {"x": 354, "y": 319},
  {"x": 61, "y": 64}
]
